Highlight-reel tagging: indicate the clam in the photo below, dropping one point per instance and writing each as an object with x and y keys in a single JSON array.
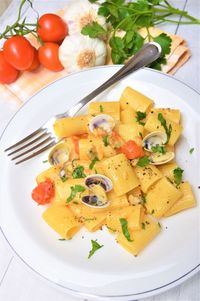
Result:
[
  {"x": 59, "y": 154},
  {"x": 98, "y": 186},
  {"x": 103, "y": 121},
  {"x": 154, "y": 139},
  {"x": 159, "y": 159}
]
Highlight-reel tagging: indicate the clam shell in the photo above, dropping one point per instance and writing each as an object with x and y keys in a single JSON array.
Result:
[
  {"x": 99, "y": 179},
  {"x": 159, "y": 159},
  {"x": 59, "y": 154},
  {"x": 94, "y": 202},
  {"x": 153, "y": 139},
  {"x": 103, "y": 121}
]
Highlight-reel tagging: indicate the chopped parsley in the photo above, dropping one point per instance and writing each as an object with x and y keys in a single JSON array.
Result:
[
  {"x": 143, "y": 226},
  {"x": 61, "y": 239},
  {"x": 105, "y": 140},
  {"x": 142, "y": 199},
  {"x": 143, "y": 161},
  {"x": 168, "y": 130},
  {"x": 153, "y": 211},
  {"x": 140, "y": 134},
  {"x": 93, "y": 162},
  {"x": 140, "y": 116},
  {"x": 78, "y": 172},
  {"x": 191, "y": 150},
  {"x": 178, "y": 174},
  {"x": 159, "y": 225},
  {"x": 74, "y": 190},
  {"x": 63, "y": 178},
  {"x": 95, "y": 247},
  {"x": 159, "y": 149},
  {"x": 45, "y": 161},
  {"x": 124, "y": 225},
  {"x": 101, "y": 108}
]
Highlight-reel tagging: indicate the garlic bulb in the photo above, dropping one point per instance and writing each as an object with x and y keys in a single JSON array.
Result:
[
  {"x": 81, "y": 52},
  {"x": 79, "y": 13}
]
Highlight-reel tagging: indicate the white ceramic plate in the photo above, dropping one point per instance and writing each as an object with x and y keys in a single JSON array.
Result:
[{"x": 112, "y": 273}]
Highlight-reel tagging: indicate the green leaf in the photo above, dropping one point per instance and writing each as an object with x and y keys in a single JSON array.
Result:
[
  {"x": 45, "y": 161},
  {"x": 105, "y": 140},
  {"x": 101, "y": 108},
  {"x": 168, "y": 130},
  {"x": 91, "y": 166},
  {"x": 143, "y": 161},
  {"x": 140, "y": 116},
  {"x": 159, "y": 149},
  {"x": 93, "y": 1},
  {"x": 95, "y": 247},
  {"x": 103, "y": 11},
  {"x": 124, "y": 225},
  {"x": 74, "y": 190},
  {"x": 93, "y": 30},
  {"x": 143, "y": 199},
  {"x": 78, "y": 172},
  {"x": 63, "y": 178},
  {"x": 143, "y": 226},
  {"x": 165, "y": 42},
  {"x": 191, "y": 150},
  {"x": 178, "y": 174}
]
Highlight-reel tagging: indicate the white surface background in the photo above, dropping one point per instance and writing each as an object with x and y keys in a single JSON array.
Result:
[{"x": 19, "y": 283}]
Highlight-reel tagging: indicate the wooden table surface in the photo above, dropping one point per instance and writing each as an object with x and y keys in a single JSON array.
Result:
[{"x": 17, "y": 281}]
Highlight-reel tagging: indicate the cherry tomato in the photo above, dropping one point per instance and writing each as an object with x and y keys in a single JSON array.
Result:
[
  {"x": 36, "y": 63},
  {"x": 132, "y": 150},
  {"x": 52, "y": 28},
  {"x": 8, "y": 73},
  {"x": 43, "y": 192},
  {"x": 48, "y": 56},
  {"x": 19, "y": 52}
]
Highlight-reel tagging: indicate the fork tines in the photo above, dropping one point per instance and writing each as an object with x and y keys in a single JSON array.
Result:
[{"x": 31, "y": 145}]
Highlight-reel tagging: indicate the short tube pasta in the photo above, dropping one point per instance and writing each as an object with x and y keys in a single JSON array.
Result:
[{"x": 70, "y": 126}]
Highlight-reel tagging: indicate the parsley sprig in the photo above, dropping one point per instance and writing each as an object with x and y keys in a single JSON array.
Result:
[
  {"x": 140, "y": 116},
  {"x": 124, "y": 226},
  {"x": 74, "y": 190},
  {"x": 95, "y": 246},
  {"x": 130, "y": 16},
  {"x": 168, "y": 129},
  {"x": 78, "y": 173},
  {"x": 178, "y": 175}
]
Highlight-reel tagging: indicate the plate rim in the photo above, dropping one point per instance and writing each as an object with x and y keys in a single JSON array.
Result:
[{"x": 139, "y": 295}]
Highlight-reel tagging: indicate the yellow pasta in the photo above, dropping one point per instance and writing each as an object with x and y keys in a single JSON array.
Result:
[
  {"x": 161, "y": 197},
  {"x": 88, "y": 149},
  {"x": 127, "y": 115},
  {"x": 147, "y": 176},
  {"x": 62, "y": 220},
  {"x": 185, "y": 202},
  {"x": 70, "y": 126},
  {"x": 168, "y": 170},
  {"x": 140, "y": 238},
  {"x": 111, "y": 108},
  {"x": 130, "y": 131},
  {"x": 119, "y": 170},
  {"x": 153, "y": 124},
  {"x": 170, "y": 114},
  {"x": 135, "y": 100}
]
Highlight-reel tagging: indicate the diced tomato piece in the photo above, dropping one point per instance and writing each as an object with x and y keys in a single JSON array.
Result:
[
  {"x": 116, "y": 136},
  {"x": 75, "y": 140},
  {"x": 43, "y": 192},
  {"x": 132, "y": 150}
]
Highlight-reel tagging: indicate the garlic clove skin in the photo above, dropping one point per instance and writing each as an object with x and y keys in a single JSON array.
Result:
[
  {"x": 78, "y": 52},
  {"x": 79, "y": 13}
]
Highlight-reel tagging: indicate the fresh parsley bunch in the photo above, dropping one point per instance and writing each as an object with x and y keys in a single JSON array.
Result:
[{"x": 129, "y": 17}]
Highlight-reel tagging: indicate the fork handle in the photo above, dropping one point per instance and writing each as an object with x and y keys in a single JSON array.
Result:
[{"x": 145, "y": 56}]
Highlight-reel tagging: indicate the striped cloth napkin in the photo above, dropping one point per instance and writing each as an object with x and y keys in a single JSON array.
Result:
[{"x": 29, "y": 83}]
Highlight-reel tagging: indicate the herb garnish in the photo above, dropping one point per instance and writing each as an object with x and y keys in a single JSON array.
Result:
[
  {"x": 45, "y": 161},
  {"x": 63, "y": 178},
  {"x": 74, "y": 190},
  {"x": 124, "y": 225},
  {"x": 78, "y": 172},
  {"x": 143, "y": 161},
  {"x": 159, "y": 149},
  {"x": 105, "y": 140},
  {"x": 140, "y": 116},
  {"x": 178, "y": 174},
  {"x": 168, "y": 130},
  {"x": 142, "y": 199},
  {"x": 93, "y": 30},
  {"x": 143, "y": 226},
  {"x": 191, "y": 150},
  {"x": 91, "y": 166},
  {"x": 61, "y": 239},
  {"x": 95, "y": 247},
  {"x": 101, "y": 108}
]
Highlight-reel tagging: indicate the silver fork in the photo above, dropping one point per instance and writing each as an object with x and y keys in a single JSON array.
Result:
[{"x": 44, "y": 137}]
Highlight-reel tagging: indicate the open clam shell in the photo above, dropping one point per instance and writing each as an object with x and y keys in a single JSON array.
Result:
[
  {"x": 59, "y": 154},
  {"x": 154, "y": 139},
  {"x": 94, "y": 201},
  {"x": 159, "y": 159},
  {"x": 102, "y": 121}
]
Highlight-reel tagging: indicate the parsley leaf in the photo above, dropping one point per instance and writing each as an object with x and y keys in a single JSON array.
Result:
[
  {"x": 140, "y": 116},
  {"x": 178, "y": 174},
  {"x": 105, "y": 140},
  {"x": 191, "y": 150},
  {"x": 159, "y": 149},
  {"x": 143, "y": 226},
  {"x": 101, "y": 108},
  {"x": 78, "y": 172},
  {"x": 45, "y": 161},
  {"x": 63, "y": 178},
  {"x": 91, "y": 166},
  {"x": 124, "y": 225},
  {"x": 74, "y": 190},
  {"x": 95, "y": 247},
  {"x": 93, "y": 30},
  {"x": 143, "y": 161},
  {"x": 165, "y": 42},
  {"x": 142, "y": 199},
  {"x": 168, "y": 130}
]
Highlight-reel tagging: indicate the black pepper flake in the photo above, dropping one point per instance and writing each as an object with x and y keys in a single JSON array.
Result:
[
  {"x": 167, "y": 202},
  {"x": 127, "y": 103}
]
